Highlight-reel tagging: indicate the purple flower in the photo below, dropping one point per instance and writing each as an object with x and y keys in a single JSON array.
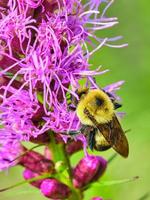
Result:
[
  {"x": 8, "y": 154},
  {"x": 54, "y": 189},
  {"x": 88, "y": 169},
  {"x": 43, "y": 56},
  {"x": 16, "y": 116}
]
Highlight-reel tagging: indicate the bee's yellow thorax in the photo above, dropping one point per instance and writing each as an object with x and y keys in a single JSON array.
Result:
[{"x": 102, "y": 113}]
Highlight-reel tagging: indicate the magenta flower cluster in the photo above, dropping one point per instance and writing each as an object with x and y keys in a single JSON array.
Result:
[{"x": 44, "y": 53}]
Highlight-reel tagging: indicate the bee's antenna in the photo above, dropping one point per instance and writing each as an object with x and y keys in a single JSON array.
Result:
[{"x": 127, "y": 131}]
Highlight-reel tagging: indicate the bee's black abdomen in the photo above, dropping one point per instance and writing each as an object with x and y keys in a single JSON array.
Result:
[{"x": 102, "y": 147}]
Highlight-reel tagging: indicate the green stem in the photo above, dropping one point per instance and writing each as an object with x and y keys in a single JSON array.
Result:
[
  {"x": 24, "y": 182},
  {"x": 76, "y": 195},
  {"x": 59, "y": 154}
]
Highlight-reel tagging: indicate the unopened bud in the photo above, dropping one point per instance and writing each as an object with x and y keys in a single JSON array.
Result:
[
  {"x": 28, "y": 174},
  {"x": 41, "y": 139},
  {"x": 74, "y": 146},
  {"x": 3, "y": 3},
  {"x": 54, "y": 189},
  {"x": 96, "y": 198},
  {"x": 88, "y": 169},
  {"x": 36, "y": 162}
]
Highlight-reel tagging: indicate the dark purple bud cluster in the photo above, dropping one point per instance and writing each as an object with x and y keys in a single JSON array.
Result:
[
  {"x": 35, "y": 165},
  {"x": 88, "y": 170},
  {"x": 50, "y": 188}
]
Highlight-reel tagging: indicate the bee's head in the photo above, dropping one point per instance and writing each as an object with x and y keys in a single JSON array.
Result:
[
  {"x": 97, "y": 100},
  {"x": 81, "y": 92},
  {"x": 102, "y": 99}
]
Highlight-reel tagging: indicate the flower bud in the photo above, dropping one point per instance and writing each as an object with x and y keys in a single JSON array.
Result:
[
  {"x": 3, "y": 3},
  {"x": 40, "y": 139},
  {"x": 54, "y": 189},
  {"x": 36, "y": 163},
  {"x": 88, "y": 169},
  {"x": 96, "y": 198},
  {"x": 74, "y": 146},
  {"x": 28, "y": 174}
]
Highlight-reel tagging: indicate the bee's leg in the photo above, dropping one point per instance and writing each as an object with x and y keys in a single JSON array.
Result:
[
  {"x": 91, "y": 139},
  {"x": 73, "y": 133},
  {"x": 86, "y": 129},
  {"x": 89, "y": 132},
  {"x": 117, "y": 105}
]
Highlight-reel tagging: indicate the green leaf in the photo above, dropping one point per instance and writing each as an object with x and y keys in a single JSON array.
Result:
[
  {"x": 109, "y": 183},
  {"x": 145, "y": 196},
  {"x": 26, "y": 181}
]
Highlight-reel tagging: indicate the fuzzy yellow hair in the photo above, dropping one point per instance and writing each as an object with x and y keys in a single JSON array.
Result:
[{"x": 102, "y": 113}]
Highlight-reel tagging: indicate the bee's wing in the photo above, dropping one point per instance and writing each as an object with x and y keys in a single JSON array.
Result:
[{"x": 115, "y": 136}]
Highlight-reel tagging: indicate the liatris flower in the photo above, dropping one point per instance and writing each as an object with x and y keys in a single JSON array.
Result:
[
  {"x": 88, "y": 169},
  {"x": 16, "y": 114},
  {"x": 54, "y": 189},
  {"x": 8, "y": 152},
  {"x": 44, "y": 54}
]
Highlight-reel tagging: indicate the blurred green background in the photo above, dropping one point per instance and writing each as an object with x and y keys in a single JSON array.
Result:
[{"x": 131, "y": 64}]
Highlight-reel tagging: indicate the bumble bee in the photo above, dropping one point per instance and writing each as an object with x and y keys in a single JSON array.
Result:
[{"x": 96, "y": 111}]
